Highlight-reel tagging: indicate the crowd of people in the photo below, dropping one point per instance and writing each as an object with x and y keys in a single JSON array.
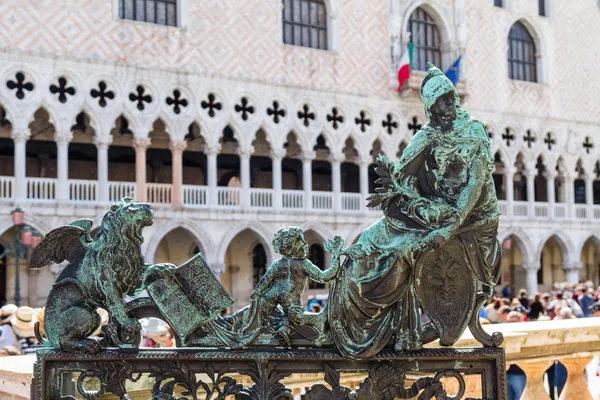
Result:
[{"x": 565, "y": 301}]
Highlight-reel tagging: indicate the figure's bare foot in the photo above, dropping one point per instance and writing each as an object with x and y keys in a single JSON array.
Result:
[{"x": 90, "y": 346}]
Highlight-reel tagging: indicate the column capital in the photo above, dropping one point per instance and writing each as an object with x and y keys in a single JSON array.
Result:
[
  {"x": 178, "y": 145},
  {"x": 588, "y": 177},
  {"x": 218, "y": 268},
  {"x": 337, "y": 157},
  {"x": 309, "y": 155},
  {"x": 246, "y": 152},
  {"x": 212, "y": 149},
  {"x": 20, "y": 135},
  {"x": 141, "y": 143},
  {"x": 103, "y": 141},
  {"x": 63, "y": 139},
  {"x": 550, "y": 175},
  {"x": 364, "y": 160},
  {"x": 278, "y": 154},
  {"x": 532, "y": 266},
  {"x": 510, "y": 172}
]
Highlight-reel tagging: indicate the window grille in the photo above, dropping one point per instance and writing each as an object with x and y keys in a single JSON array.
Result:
[
  {"x": 521, "y": 54},
  {"x": 425, "y": 36},
  {"x": 542, "y": 8},
  {"x": 305, "y": 23},
  {"x": 161, "y": 12}
]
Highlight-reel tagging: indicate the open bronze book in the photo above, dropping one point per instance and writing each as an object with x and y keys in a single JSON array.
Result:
[{"x": 189, "y": 296}]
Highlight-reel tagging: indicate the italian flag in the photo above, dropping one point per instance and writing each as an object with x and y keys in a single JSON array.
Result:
[{"x": 405, "y": 66}]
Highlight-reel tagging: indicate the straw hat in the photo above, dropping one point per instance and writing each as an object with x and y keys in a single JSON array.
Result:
[
  {"x": 7, "y": 310},
  {"x": 39, "y": 317},
  {"x": 22, "y": 322}
]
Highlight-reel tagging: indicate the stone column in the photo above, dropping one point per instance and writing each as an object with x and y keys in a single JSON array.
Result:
[
  {"x": 589, "y": 194},
  {"x": 576, "y": 386},
  {"x": 62, "y": 167},
  {"x": 572, "y": 271},
  {"x": 531, "y": 174},
  {"x": 20, "y": 139},
  {"x": 336, "y": 180},
  {"x": 276, "y": 158},
  {"x": 532, "y": 276},
  {"x": 307, "y": 159},
  {"x": 177, "y": 148},
  {"x": 534, "y": 371},
  {"x": 551, "y": 190},
  {"x": 245, "y": 175},
  {"x": 140, "y": 145},
  {"x": 363, "y": 165},
  {"x": 509, "y": 174},
  {"x": 570, "y": 195},
  {"x": 211, "y": 174},
  {"x": 102, "y": 144}
]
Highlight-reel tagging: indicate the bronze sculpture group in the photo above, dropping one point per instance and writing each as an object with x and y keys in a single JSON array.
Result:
[{"x": 434, "y": 251}]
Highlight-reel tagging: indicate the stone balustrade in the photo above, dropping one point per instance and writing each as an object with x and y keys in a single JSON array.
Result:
[{"x": 533, "y": 346}]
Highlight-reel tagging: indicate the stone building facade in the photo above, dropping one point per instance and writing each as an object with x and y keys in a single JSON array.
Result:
[{"x": 231, "y": 133}]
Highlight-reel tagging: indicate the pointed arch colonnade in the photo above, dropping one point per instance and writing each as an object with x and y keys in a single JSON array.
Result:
[{"x": 73, "y": 137}]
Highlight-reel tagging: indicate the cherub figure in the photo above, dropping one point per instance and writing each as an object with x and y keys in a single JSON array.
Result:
[{"x": 282, "y": 286}]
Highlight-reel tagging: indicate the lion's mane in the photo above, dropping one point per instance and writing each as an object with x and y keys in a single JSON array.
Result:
[{"x": 116, "y": 250}]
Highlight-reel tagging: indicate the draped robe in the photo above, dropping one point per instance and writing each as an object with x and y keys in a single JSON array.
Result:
[{"x": 374, "y": 299}]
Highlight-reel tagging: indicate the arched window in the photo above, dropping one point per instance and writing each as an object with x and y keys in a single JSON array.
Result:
[
  {"x": 425, "y": 36},
  {"x": 305, "y": 23},
  {"x": 316, "y": 254},
  {"x": 162, "y": 12},
  {"x": 521, "y": 54},
  {"x": 259, "y": 263}
]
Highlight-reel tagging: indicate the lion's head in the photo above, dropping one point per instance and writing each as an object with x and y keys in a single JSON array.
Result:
[{"x": 117, "y": 246}]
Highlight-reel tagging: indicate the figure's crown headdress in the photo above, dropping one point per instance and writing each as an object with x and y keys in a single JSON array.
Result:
[{"x": 435, "y": 84}]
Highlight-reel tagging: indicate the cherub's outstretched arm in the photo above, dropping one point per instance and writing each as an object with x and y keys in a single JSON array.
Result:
[
  {"x": 316, "y": 274},
  {"x": 335, "y": 247}
]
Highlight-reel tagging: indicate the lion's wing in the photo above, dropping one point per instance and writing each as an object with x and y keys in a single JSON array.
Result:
[
  {"x": 59, "y": 245},
  {"x": 86, "y": 225}
]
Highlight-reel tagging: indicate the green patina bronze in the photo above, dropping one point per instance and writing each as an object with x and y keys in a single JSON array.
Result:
[
  {"x": 434, "y": 251},
  {"x": 99, "y": 272}
]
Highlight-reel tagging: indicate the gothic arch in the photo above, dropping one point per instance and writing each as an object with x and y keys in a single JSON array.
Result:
[
  {"x": 321, "y": 230},
  {"x": 566, "y": 247},
  {"x": 202, "y": 238},
  {"x": 6, "y": 223},
  {"x": 264, "y": 234},
  {"x": 522, "y": 240}
]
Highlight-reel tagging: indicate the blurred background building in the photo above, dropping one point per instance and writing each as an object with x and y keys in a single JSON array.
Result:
[{"x": 235, "y": 118}]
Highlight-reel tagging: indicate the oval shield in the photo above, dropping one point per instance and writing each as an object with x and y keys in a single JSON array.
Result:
[{"x": 446, "y": 289}]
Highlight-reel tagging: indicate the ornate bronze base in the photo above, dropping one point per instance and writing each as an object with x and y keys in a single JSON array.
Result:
[{"x": 60, "y": 375}]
